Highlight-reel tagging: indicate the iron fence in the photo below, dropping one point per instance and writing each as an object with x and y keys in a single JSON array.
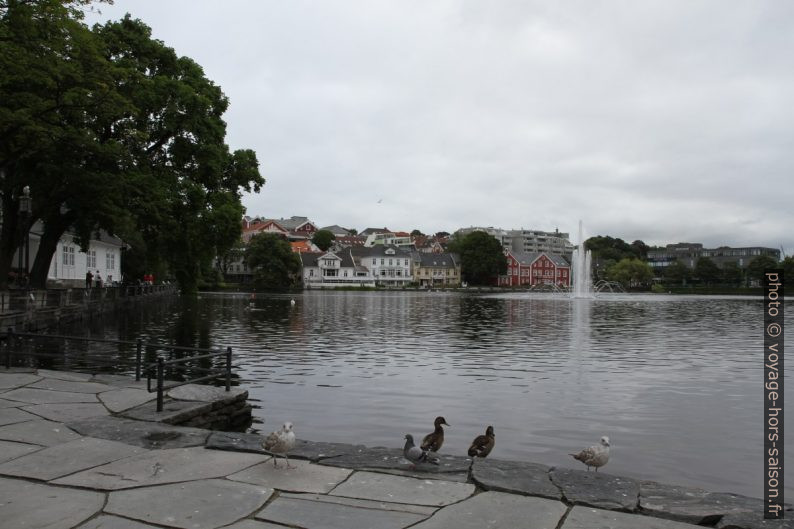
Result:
[{"x": 153, "y": 360}]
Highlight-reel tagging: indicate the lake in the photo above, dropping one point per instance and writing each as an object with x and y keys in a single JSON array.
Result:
[{"x": 674, "y": 381}]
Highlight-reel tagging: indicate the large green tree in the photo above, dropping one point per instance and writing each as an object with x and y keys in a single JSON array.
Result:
[
  {"x": 677, "y": 273},
  {"x": 732, "y": 274},
  {"x": 788, "y": 273},
  {"x": 755, "y": 270},
  {"x": 630, "y": 272},
  {"x": 482, "y": 258},
  {"x": 323, "y": 239},
  {"x": 275, "y": 265},
  {"x": 113, "y": 131},
  {"x": 707, "y": 271}
]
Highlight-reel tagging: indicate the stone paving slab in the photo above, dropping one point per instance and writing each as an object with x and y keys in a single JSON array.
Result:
[
  {"x": 305, "y": 477},
  {"x": 124, "y": 399},
  {"x": 24, "y": 504},
  {"x": 253, "y": 524},
  {"x": 68, "y": 458},
  {"x": 158, "y": 467},
  {"x": 15, "y": 415},
  {"x": 54, "y": 384},
  {"x": 205, "y": 504},
  {"x": 197, "y": 392},
  {"x": 138, "y": 433},
  {"x": 498, "y": 510},
  {"x": 114, "y": 522},
  {"x": 311, "y": 514},
  {"x": 65, "y": 375},
  {"x": 174, "y": 411},
  {"x": 362, "y": 457},
  {"x": 10, "y": 404},
  {"x": 597, "y": 489},
  {"x": 364, "y": 504},
  {"x": 754, "y": 520},
  {"x": 10, "y": 450},
  {"x": 589, "y": 518},
  {"x": 40, "y": 432},
  {"x": 15, "y": 380},
  {"x": 530, "y": 479},
  {"x": 120, "y": 381},
  {"x": 693, "y": 505},
  {"x": 68, "y": 412},
  {"x": 399, "y": 489},
  {"x": 45, "y": 396},
  {"x": 250, "y": 442}
]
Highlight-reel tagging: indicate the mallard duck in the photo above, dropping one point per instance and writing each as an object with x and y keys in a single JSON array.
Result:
[
  {"x": 594, "y": 456},
  {"x": 434, "y": 440},
  {"x": 414, "y": 454},
  {"x": 280, "y": 442},
  {"x": 482, "y": 444}
]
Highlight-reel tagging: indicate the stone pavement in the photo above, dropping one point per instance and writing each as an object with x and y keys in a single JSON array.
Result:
[{"x": 68, "y": 459}]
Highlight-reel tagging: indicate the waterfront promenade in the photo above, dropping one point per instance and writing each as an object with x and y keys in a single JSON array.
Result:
[{"x": 72, "y": 456}]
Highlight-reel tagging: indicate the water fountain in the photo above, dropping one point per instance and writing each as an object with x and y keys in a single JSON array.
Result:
[{"x": 580, "y": 267}]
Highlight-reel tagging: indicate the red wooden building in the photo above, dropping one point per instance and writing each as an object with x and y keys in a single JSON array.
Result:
[{"x": 535, "y": 268}]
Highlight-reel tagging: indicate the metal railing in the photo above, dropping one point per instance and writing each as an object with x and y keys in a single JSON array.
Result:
[
  {"x": 21, "y": 300},
  {"x": 152, "y": 370}
]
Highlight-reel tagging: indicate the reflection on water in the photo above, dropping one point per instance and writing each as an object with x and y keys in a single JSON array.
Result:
[{"x": 674, "y": 381}]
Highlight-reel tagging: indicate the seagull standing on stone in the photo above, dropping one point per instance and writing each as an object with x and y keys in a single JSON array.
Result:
[
  {"x": 594, "y": 456},
  {"x": 280, "y": 442},
  {"x": 434, "y": 440},
  {"x": 483, "y": 444},
  {"x": 414, "y": 454}
]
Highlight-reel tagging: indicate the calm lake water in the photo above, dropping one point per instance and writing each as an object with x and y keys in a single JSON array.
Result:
[{"x": 675, "y": 381}]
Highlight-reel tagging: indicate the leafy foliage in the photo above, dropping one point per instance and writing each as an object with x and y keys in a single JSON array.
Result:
[
  {"x": 323, "y": 239},
  {"x": 755, "y": 270},
  {"x": 113, "y": 131},
  {"x": 677, "y": 273},
  {"x": 275, "y": 265},
  {"x": 630, "y": 272},
  {"x": 707, "y": 271},
  {"x": 482, "y": 258}
]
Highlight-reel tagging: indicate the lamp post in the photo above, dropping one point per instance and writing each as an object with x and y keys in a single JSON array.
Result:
[{"x": 25, "y": 207}]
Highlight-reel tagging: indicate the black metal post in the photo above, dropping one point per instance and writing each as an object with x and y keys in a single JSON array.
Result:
[
  {"x": 9, "y": 345},
  {"x": 228, "y": 369},
  {"x": 160, "y": 369},
  {"x": 138, "y": 355}
]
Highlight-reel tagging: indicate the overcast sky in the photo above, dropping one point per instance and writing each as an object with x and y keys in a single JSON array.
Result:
[{"x": 661, "y": 121}]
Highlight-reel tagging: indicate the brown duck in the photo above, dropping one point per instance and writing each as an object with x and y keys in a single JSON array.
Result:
[
  {"x": 433, "y": 441},
  {"x": 482, "y": 444}
]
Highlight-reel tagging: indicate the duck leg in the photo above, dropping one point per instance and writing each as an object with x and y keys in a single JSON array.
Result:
[{"x": 287, "y": 458}]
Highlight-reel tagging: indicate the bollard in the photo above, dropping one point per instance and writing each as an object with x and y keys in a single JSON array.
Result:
[
  {"x": 9, "y": 343},
  {"x": 160, "y": 369},
  {"x": 138, "y": 354},
  {"x": 228, "y": 369}
]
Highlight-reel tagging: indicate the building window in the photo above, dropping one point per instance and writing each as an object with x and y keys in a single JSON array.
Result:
[
  {"x": 90, "y": 259},
  {"x": 311, "y": 273},
  {"x": 110, "y": 261},
  {"x": 382, "y": 262},
  {"x": 68, "y": 256},
  {"x": 374, "y": 262}
]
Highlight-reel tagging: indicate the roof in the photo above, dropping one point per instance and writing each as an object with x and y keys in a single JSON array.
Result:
[
  {"x": 439, "y": 260},
  {"x": 527, "y": 258},
  {"x": 379, "y": 250},
  {"x": 370, "y": 231},
  {"x": 311, "y": 258},
  {"x": 337, "y": 230}
]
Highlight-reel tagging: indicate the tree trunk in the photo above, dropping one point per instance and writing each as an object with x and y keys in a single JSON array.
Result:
[
  {"x": 9, "y": 237},
  {"x": 54, "y": 228}
]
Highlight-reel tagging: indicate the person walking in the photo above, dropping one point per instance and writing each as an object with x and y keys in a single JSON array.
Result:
[
  {"x": 89, "y": 278},
  {"x": 98, "y": 279}
]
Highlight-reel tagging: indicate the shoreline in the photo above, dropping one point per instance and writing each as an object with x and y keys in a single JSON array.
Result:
[{"x": 73, "y": 444}]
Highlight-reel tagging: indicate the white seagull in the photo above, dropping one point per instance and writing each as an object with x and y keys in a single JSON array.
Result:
[
  {"x": 281, "y": 442},
  {"x": 595, "y": 456}
]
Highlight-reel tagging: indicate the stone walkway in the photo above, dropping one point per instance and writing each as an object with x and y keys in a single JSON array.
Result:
[{"x": 70, "y": 459}]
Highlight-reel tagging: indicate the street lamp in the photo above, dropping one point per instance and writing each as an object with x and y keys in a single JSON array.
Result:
[{"x": 25, "y": 208}]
